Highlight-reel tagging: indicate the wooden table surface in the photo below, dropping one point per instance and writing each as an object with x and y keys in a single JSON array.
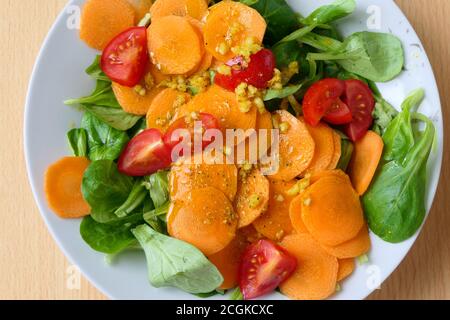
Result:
[{"x": 31, "y": 264}]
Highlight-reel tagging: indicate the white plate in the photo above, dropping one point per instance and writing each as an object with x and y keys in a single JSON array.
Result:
[{"x": 59, "y": 74}]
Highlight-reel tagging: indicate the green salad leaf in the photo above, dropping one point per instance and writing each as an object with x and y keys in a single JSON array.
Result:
[
  {"x": 156, "y": 217},
  {"x": 78, "y": 142},
  {"x": 290, "y": 51},
  {"x": 236, "y": 294},
  {"x": 134, "y": 200},
  {"x": 346, "y": 154},
  {"x": 158, "y": 185},
  {"x": 375, "y": 56},
  {"x": 110, "y": 238},
  {"x": 282, "y": 93},
  {"x": 399, "y": 135},
  {"x": 105, "y": 189},
  {"x": 96, "y": 72},
  {"x": 298, "y": 34},
  {"x": 330, "y": 13},
  {"x": 175, "y": 263},
  {"x": 105, "y": 142},
  {"x": 321, "y": 42},
  {"x": 103, "y": 103},
  {"x": 395, "y": 202},
  {"x": 281, "y": 19}
]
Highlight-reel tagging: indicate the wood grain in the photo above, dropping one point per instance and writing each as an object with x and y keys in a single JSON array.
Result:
[{"x": 32, "y": 266}]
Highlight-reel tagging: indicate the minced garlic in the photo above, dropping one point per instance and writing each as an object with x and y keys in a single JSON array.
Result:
[
  {"x": 253, "y": 201},
  {"x": 248, "y": 47},
  {"x": 287, "y": 73}
]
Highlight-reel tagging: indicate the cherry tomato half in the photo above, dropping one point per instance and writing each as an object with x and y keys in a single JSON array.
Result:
[
  {"x": 145, "y": 154},
  {"x": 264, "y": 265},
  {"x": 360, "y": 100},
  {"x": 320, "y": 97},
  {"x": 125, "y": 58},
  {"x": 206, "y": 121},
  {"x": 257, "y": 73},
  {"x": 338, "y": 113}
]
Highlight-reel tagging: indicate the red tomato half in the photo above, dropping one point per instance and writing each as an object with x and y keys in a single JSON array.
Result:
[
  {"x": 339, "y": 113},
  {"x": 259, "y": 71},
  {"x": 320, "y": 97},
  {"x": 145, "y": 154},
  {"x": 264, "y": 265},
  {"x": 125, "y": 58},
  {"x": 360, "y": 100},
  {"x": 207, "y": 121}
]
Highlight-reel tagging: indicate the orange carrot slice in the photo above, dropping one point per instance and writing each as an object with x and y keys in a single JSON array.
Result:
[
  {"x": 275, "y": 223},
  {"x": 316, "y": 274},
  {"x": 335, "y": 173},
  {"x": 102, "y": 20},
  {"x": 186, "y": 177},
  {"x": 250, "y": 234},
  {"x": 252, "y": 197},
  {"x": 346, "y": 268},
  {"x": 163, "y": 108},
  {"x": 365, "y": 159},
  {"x": 295, "y": 213},
  {"x": 228, "y": 260},
  {"x": 353, "y": 248},
  {"x": 322, "y": 135},
  {"x": 331, "y": 211},
  {"x": 228, "y": 25},
  {"x": 174, "y": 45},
  {"x": 223, "y": 105},
  {"x": 194, "y": 8},
  {"x": 62, "y": 186},
  {"x": 142, "y": 7},
  {"x": 296, "y": 147},
  {"x": 205, "y": 219},
  {"x": 132, "y": 101},
  {"x": 337, "y": 151}
]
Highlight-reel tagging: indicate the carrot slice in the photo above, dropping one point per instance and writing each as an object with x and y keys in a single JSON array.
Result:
[
  {"x": 132, "y": 101},
  {"x": 163, "y": 107},
  {"x": 346, "y": 268},
  {"x": 316, "y": 274},
  {"x": 138, "y": 100},
  {"x": 205, "y": 219},
  {"x": 102, "y": 20},
  {"x": 194, "y": 8},
  {"x": 331, "y": 210},
  {"x": 365, "y": 159},
  {"x": 228, "y": 25},
  {"x": 295, "y": 213},
  {"x": 204, "y": 65},
  {"x": 322, "y": 174},
  {"x": 264, "y": 121},
  {"x": 250, "y": 234},
  {"x": 296, "y": 147},
  {"x": 353, "y": 248},
  {"x": 228, "y": 260},
  {"x": 252, "y": 197},
  {"x": 157, "y": 75},
  {"x": 174, "y": 45},
  {"x": 337, "y": 151},
  {"x": 142, "y": 7},
  {"x": 322, "y": 135},
  {"x": 186, "y": 177},
  {"x": 223, "y": 105},
  {"x": 62, "y": 185},
  {"x": 275, "y": 223}
]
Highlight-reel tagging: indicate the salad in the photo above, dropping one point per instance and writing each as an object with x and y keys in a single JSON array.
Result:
[{"x": 243, "y": 147}]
